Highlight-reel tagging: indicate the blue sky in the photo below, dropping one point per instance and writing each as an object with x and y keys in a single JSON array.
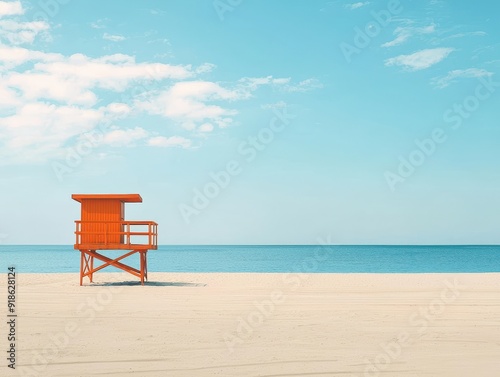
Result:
[{"x": 253, "y": 122}]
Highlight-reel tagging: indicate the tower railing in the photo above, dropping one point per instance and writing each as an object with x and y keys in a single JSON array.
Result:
[{"x": 104, "y": 234}]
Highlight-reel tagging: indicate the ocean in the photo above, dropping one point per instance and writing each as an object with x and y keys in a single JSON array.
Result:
[{"x": 257, "y": 258}]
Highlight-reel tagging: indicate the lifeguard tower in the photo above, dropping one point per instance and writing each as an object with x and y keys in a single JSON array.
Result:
[{"x": 103, "y": 227}]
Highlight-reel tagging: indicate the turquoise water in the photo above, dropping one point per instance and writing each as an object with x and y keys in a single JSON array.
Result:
[{"x": 374, "y": 259}]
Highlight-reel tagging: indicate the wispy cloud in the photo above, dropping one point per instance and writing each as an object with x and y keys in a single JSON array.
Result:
[
  {"x": 99, "y": 24},
  {"x": 172, "y": 141},
  {"x": 403, "y": 33},
  {"x": 273, "y": 106},
  {"x": 205, "y": 68},
  {"x": 131, "y": 137},
  {"x": 283, "y": 83},
  {"x": 156, "y": 41},
  {"x": 466, "y": 34},
  {"x": 304, "y": 86},
  {"x": 206, "y": 127},
  {"x": 125, "y": 137},
  {"x": 455, "y": 75},
  {"x": 357, "y": 5},
  {"x": 421, "y": 59},
  {"x": 495, "y": 61},
  {"x": 252, "y": 83},
  {"x": 157, "y": 12},
  {"x": 113, "y": 38}
]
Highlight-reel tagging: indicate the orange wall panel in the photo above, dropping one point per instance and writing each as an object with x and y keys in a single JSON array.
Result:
[{"x": 102, "y": 210}]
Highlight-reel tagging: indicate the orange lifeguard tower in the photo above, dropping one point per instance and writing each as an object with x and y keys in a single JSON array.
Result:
[{"x": 103, "y": 227}]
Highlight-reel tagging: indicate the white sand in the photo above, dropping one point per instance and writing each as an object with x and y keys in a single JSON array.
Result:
[{"x": 209, "y": 325}]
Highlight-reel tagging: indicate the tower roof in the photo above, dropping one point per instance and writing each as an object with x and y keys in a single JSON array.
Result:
[{"x": 126, "y": 198}]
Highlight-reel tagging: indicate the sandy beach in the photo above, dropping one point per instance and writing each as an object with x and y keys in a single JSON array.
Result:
[{"x": 183, "y": 324}]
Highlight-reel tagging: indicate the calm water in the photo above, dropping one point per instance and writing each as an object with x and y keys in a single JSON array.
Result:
[{"x": 377, "y": 259}]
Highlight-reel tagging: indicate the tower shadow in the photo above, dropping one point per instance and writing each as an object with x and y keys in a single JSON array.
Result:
[{"x": 147, "y": 284}]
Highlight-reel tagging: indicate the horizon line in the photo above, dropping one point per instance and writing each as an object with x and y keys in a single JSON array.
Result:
[{"x": 441, "y": 244}]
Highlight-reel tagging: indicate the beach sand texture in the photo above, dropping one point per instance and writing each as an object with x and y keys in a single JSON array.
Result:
[{"x": 244, "y": 324}]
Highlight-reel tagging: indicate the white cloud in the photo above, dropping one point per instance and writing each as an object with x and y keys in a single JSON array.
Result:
[
  {"x": 406, "y": 32},
  {"x": 190, "y": 102},
  {"x": 38, "y": 131},
  {"x": 47, "y": 86},
  {"x": 125, "y": 138},
  {"x": 11, "y": 57},
  {"x": 49, "y": 102},
  {"x": 456, "y": 74},
  {"x": 118, "y": 109},
  {"x": 421, "y": 59},
  {"x": 73, "y": 80},
  {"x": 223, "y": 122},
  {"x": 173, "y": 141},
  {"x": 11, "y": 8},
  {"x": 206, "y": 127},
  {"x": 113, "y": 38},
  {"x": 8, "y": 97},
  {"x": 33, "y": 131},
  {"x": 357, "y": 5},
  {"x": 16, "y": 33},
  {"x": 114, "y": 72}
]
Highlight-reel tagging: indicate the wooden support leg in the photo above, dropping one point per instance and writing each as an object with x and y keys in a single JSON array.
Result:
[
  {"x": 142, "y": 267},
  {"x": 86, "y": 265},
  {"x": 81, "y": 267},
  {"x": 91, "y": 269}
]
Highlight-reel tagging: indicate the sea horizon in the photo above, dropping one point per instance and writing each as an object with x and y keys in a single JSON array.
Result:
[
  {"x": 271, "y": 244},
  {"x": 272, "y": 258}
]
